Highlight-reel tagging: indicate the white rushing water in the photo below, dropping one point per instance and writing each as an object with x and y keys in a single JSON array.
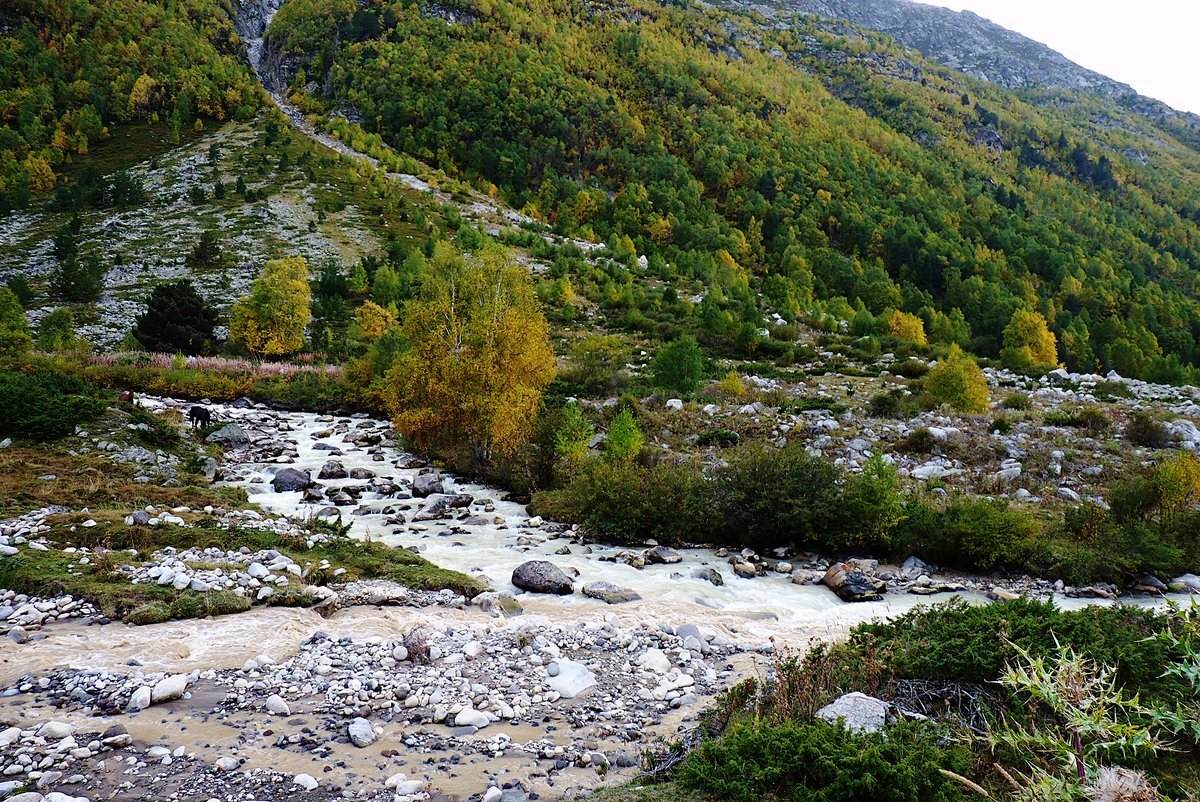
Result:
[{"x": 767, "y": 606}]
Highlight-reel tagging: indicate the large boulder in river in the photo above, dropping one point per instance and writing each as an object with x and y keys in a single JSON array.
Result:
[
  {"x": 438, "y": 504},
  {"x": 230, "y": 435},
  {"x": 539, "y": 576},
  {"x": 609, "y": 593},
  {"x": 662, "y": 555},
  {"x": 851, "y": 584},
  {"x": 914, "y": 567},
  {"x": 1186, "y": 583},
  {"x": 333, "y": 470},
  {"x": 291, "y": 479},
  {"x": 427, "y": 484}
]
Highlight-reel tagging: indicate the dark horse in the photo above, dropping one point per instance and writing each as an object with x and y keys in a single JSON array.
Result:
[{"x": 199, "y": 416}]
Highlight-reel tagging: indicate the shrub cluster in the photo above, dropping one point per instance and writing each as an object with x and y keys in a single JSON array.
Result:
[
  {"x": 766, "y": 498},
  {"x": 45, "y": 405},
  {"x": 972, "y": 670},
  {"x": 820, "y": 762}
]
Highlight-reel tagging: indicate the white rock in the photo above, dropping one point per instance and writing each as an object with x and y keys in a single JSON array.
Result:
[
  {"x": 140, "y": 699},
  {"x": 168, "y": 688},
  {"x": 655, "y": 660},
  {"x": 859, "y": 712},
  {"x": 470, "y": 717},
  {"x": 277, "y": 706},
  {"x": 410, "y": 787},
  {"x": 361, "y": 733},
  {"x": 55, "y": 730},
  {"x": 306, "y": 781},
  {"x": 573, "y": 679}
]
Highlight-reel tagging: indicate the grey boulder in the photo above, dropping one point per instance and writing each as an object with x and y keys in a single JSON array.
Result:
[
  {"x": 859, "y": 712},
  {"x": 539, "y": 576},
  {"x": 662, "y": 555},
  {"x": 427, "y": 484},
  {"x": 230, "y": 434},
  {"x": 333, "y": 470},
  {"x": 609, "y": 593},
  {"x": 291, "y": 479}
]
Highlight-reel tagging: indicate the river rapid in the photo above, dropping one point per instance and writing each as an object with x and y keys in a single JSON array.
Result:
[{"x": 765, "y": 607}]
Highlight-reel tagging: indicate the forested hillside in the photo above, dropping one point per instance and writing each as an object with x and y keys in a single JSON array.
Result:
[
  {"x": 777, "y": 165},
  {"x": 71, "y": 69}
]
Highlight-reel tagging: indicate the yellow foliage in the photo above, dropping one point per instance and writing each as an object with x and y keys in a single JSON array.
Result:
[
  {"x": 373, "y": 320},
  {"x": 958, "y": 382},
  {"x": 479, "y": 356},
  {"x": 661, "y": 232},
  {"x": 909, "y": 328},
  {"x": 1028, "y": 341},
  {"x": 731, "y": 385},
  {"x": 272, "y": 319},
  {"x": 1178, "y": 480},
  {"x": 41, "y": 175},
  {"x": 141, "y": 97}
]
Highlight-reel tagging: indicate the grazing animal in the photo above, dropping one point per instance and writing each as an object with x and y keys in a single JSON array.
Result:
[
  {"x": 126, "y": 397},
  {"x": 199, "y": 416}
]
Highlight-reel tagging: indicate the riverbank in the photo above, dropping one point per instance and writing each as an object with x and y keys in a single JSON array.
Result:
[{"x": 527, "y": 693}]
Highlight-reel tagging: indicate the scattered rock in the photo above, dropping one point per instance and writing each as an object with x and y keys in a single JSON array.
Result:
[
  {"x": 231, "y": 435},
  {"x": 361, "y": 733},
  {"x": 662, "y": 555},
  {"x": 859, "y": 712}
]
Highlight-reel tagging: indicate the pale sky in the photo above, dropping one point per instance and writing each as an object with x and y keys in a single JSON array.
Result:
[{"x": 1152, "y": 45}]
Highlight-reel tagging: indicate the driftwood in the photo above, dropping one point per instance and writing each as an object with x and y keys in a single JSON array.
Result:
[
  {"x": 965, "y": 703},
  {"x": 958, "y": 778}
]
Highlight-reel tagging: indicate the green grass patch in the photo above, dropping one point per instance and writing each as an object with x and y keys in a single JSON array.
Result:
[{"x": 53, "y": 572}]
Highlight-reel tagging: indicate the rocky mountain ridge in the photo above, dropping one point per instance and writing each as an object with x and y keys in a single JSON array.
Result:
[{"x": 969, "y": 43}]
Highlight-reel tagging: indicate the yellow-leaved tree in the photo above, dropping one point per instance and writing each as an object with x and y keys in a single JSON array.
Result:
[
  {"x": 271, "y": 320},
  {"x": 904, "y": 326},
  {"x": 478, "y": 357},
  {"x": 373, "y": 320},
  {"x": 1028, "y": 341},
  {"x": 958, "y": 382}
]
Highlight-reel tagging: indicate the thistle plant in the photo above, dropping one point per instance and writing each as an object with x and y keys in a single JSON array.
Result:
[
  {"x": 1082, "y": 721},
  {"x": 1183, "y": 638}
]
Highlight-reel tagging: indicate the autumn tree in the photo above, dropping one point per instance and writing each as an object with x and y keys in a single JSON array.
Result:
[
  {"x": 478, "y": 357},
  {"x": 372, "y": 320},
  {"x": 958, "y": 382},
  {"x": 1028, "y": 341},
  {"x": 271, "y": 320},
  {"x": 904, "y": 326}
]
